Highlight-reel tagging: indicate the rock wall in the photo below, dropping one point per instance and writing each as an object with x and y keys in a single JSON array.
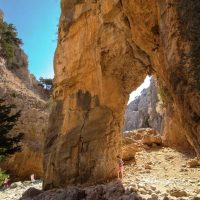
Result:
[
  {"x": 175, "y": 59},
  {"x": 174, "y": 135},
  {"x": 18, "y": 87},
  {"x": 18, "y": 65},
  {"x": 146, "y": 110},
  {"x": 105, "y": 50}
]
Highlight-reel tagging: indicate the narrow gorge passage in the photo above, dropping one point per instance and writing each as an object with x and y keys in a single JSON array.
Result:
[
  {"x": 145, "y": 108},
  {"x": 76, "y": 124}
]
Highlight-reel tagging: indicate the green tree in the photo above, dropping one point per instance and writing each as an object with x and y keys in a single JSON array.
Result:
[
  {"x": 9, "y": 143},
  {"x": 3, "y": 175},
  {"x": 47, "y": 83},
  {"x": 9, "y": 40}
]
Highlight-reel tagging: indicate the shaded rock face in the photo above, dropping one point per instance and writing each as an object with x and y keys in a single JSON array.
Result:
[
  {"x": 105, "y": 50},
  {"x": 145, "y": 111},
  {"x": 18, "y": 87},
  {"x": 174, "y": 135}
]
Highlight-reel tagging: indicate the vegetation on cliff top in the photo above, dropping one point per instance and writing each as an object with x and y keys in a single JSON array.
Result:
[{"x": 9, "y": 40}]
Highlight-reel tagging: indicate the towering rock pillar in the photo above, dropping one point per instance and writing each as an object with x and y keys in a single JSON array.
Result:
[
  {"x": 105, "y": 49},
  {"x": 96, "y": 67}
]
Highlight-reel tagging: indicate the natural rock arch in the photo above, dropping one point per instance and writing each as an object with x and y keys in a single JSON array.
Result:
[{"x": 105, "y": 50}]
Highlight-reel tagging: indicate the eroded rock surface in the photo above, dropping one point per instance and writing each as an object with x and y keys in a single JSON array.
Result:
[
  {"x": 20, "y": 88},
  {"x": 147, "y": 110},
  {"x": 105, "y": 50},
  {"x": 91, "y": 91}
]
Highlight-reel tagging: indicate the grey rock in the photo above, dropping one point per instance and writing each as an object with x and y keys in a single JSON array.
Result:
[{"x": 142, "y": 112}]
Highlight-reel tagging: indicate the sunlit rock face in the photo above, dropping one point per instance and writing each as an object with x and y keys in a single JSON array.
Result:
[
  {"x": 105, "y": 50},
  {"x": 20, "y": 88}
]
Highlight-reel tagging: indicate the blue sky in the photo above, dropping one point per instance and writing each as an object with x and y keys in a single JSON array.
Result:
[
  {"x": 36, "y": 22},
  {"x": 138, "y": 91}
]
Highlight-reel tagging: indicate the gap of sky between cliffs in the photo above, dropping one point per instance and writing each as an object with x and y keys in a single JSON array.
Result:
[
  {"x": 138, "y": 91},
  {"x": 36, "y": 24}
]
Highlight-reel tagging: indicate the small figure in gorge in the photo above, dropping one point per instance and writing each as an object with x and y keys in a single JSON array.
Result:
[
  {"x": 120, "y": 167},
  {"x": 6, "y": 182},
  {"x": 32, "y": 178}
]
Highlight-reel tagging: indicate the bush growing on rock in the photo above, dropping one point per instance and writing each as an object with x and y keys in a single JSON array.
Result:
[
  {"x": 2, "y": 176},
  {"x": 8, "y": 40}
]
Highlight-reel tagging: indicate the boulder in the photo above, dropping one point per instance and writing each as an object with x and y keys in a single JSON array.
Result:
[
  {"x": 193, "y": 163},
  {"x": 111, "y": 191},
  {"x": 152, "y": 139},
  {"x": 178, "y": 193},
  {"x": 129, "y": 148},
  {"x": 31, "y": 192}
]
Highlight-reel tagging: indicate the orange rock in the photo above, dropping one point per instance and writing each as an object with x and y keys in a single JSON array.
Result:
[{"x": 105, "y": 50}]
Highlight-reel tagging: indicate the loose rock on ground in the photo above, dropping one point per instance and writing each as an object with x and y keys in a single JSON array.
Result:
[{"x": 159, "y": 173}]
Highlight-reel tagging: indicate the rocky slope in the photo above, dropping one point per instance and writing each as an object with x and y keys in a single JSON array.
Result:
[
  {"x": 19, "y": 87},
  {"x": 105, "y": 50},
  {"x": 135, "y": 141},
  {"x": 146, "y": 110},
  {"x": 33, "y": 122}
]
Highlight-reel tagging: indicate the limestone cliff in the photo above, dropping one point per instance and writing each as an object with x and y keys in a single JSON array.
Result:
[
  {"x": 105, "y": 50},
  {"x": 19, "y": 87},
  {"x": 146, "y": 110},
  {"x": 33, "y": 122}
]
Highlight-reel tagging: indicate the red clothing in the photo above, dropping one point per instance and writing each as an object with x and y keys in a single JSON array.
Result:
[
  {"x": 6, "y": 183},
  {"x": 121, "y": 169},
  {"x": 120, "y": 165}
]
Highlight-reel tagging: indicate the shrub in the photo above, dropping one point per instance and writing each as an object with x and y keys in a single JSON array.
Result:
[
  {"x": 9, "y": 40},
  {"x": 146, "y": 123},
  {"x": 47, "y": 83},
  {"x": 2, "y": 176}
]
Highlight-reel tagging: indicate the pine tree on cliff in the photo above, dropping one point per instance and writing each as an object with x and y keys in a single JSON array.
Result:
[
  {"x": 9, "y": 143},
  {"x": 9, "y": 40}
]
